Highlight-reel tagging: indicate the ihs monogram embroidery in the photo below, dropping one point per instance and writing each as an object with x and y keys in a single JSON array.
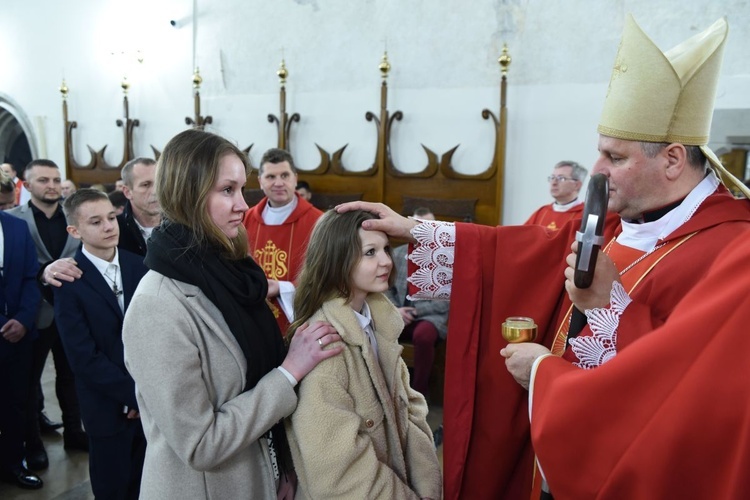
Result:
[{"x": 272, "y": 260}]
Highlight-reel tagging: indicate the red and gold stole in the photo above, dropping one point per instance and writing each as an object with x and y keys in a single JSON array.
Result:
[{"x": 634, "y": 265}]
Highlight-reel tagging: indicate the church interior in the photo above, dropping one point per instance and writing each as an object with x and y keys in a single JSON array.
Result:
[{"x": 461, "y": 107}]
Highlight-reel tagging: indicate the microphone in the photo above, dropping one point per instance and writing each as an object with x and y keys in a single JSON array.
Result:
[{"x": 590, "y": 239}]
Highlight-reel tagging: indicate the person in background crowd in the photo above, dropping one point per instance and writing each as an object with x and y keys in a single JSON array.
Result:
[
  {"x": 303, "y": 189},
  {"x": 119, "y": 201},
  {"x": 47, "y": 224},
  {"x": 67, "y": 188},
  {"x": 7, "y": 191},
  {"x": 425, "y": 321},
  {"x": 564, "y": 185},
  {"x": 278, "y": 229},
  {"x": 10, "y": 170},
  {"x": 19, "y": 302}
]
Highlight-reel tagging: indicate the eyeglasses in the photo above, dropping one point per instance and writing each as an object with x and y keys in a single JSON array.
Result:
[{"x": 559, "y": 178}]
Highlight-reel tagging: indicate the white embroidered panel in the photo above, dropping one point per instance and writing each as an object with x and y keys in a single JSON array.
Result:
[
  {"x": 601, "y": 346},
  {"x": 433, "y": 254}
]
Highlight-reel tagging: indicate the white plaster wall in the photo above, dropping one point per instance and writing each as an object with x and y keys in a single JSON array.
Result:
[{"x": 444, "y": 72}]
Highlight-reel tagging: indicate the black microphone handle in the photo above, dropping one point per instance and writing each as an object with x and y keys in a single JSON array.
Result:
[{"x": 577, "y": 323}]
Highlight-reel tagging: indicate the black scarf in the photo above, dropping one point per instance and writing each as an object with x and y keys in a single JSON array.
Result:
[{"x": 238, "y": 289}]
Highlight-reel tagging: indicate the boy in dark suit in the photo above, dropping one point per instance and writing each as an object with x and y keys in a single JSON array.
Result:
[{"x": 89, "y": 314}]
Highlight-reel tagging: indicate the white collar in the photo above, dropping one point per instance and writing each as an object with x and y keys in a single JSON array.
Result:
[
  {"x": 275, "y": 216},
  {"x": 645, "y": 236},
  {"x": 100, "y": 264},
  {"x": 364, "y": 317},
  {"x": 557, "y": 207}
]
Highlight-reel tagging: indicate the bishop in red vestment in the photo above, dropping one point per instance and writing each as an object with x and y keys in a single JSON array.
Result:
[
  {"x": 676, "y": 220},
  {"x": 487, "y": 451},
  {"x": 666, "y": 418}
]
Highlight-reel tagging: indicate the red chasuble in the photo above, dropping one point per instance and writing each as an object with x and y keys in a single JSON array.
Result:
[
  {"x": 667, "y": 417},
  {"x": 280, "y": 250},
  {"x": 547, "y": 216},
  {"x": 518, "y": 271}
]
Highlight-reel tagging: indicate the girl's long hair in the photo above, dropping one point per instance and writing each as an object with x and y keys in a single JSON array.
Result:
[{"x": 332, "y": 253}]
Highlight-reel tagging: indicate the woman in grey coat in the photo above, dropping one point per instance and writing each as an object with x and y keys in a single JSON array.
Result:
[{"x": 213, "y": 377}]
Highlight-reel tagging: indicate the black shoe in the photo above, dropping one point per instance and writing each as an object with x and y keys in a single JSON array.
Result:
[
  {"x": 36, "y": 457},
  {"x": 23, "y": 478},
  {"x": 47, "y": 426},
  {"x": 76, "y": 440}
]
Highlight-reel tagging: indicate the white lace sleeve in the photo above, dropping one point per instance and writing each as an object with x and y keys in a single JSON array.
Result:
[
  {"x": 433, "y": 254},
  {"x": 601, "y": 346}
]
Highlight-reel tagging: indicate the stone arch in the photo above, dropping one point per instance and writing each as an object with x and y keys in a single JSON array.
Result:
[{"x": 18, "y": 144}]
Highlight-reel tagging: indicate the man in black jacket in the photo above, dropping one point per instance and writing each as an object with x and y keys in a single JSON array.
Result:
[{"x": 142, "y": 213}]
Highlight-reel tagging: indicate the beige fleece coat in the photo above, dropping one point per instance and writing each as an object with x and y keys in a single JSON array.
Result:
[
  {"x": 205, "y": 436},
  {"x": 359, "y": 431}
]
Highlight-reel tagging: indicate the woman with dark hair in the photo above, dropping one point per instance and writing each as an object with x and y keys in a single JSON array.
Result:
[
  {"x": 213, "y": 377},
  {"x": 359, "y": 430}
]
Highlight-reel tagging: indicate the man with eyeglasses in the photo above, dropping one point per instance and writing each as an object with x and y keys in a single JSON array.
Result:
[
  {"x": 677, "y": 220},
  {"x": 564, "y": 185}
]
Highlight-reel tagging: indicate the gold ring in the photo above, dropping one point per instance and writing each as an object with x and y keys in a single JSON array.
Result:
[{"x": 320, "y": 342}]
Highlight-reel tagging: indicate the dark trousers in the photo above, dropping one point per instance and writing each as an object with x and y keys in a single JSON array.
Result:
[
  {"x": 15, "y": 369},
  {"x": 49, "y": 340},
  {"x": 116, "y": 463},
  {"x": 423, "y": 335}
]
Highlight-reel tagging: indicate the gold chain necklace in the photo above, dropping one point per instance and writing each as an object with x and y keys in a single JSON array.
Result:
[{"x": 636, "y": 261}]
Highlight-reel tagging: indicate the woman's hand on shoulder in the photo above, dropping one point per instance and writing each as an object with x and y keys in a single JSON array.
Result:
[{"x": 309, "y": 347}]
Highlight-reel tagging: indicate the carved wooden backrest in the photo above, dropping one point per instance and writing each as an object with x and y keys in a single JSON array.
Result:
[{"x": 449, "y": 194}]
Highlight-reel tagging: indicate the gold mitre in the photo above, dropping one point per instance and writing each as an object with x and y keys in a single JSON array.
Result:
[
  {"x": 666, "y": 97},
  {"x": 663, "y": 97}
]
